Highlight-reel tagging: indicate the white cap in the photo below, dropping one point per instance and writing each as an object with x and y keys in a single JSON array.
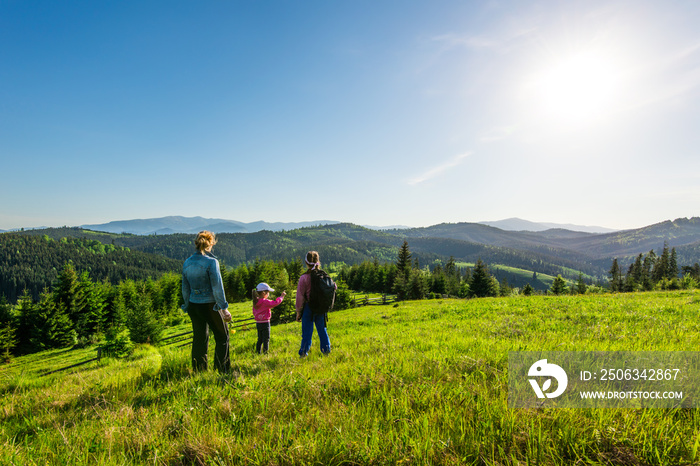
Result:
[{"x": 263, "y": 287}]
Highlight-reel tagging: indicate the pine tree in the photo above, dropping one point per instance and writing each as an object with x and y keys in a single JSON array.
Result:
[
  {"x": 8, "y": 329},
  {"x": 673, "y": 265},
  {"x": 65, "y": 291},
  {"x": 417, "y": 285},
  {"x": 482, "y": 283},
  {"x": 90, "y": 304},
  {"x": 59, "y": 328},
  {"x": 505, "y": 289},
  {"x": 528, "y": 290},
  {"x": 403, "y": 261},
  {"x": 635, "y": 275},
  {"x": 52, "y": 326},
  {"x": 581, "y": 285},
  {"x": 559, "y": 286},
  {"x": 647, "y": 271},
  {"x": 615, "y": 277},
  {"x": 662, "y": 265},
  {"x": 142, "y": 323},
  {"x": 26, "y": 322},
  {"x": 8, "y": 340},
  {"x": 400, "y": 287}
]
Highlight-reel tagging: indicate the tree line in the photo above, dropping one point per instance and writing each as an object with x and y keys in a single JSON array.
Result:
[
  {"x": 407, "y": 280},
  {"x": 652, "y": 272}
]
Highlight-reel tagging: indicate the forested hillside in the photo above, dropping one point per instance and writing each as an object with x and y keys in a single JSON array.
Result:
[
  {"x": 348, "y": 243},
  {"x": 552, "y": 252},
  {"x": 33, "y": 262}
]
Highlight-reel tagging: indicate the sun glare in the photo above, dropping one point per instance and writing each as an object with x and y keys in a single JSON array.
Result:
[{"x": 577, "y": 89}]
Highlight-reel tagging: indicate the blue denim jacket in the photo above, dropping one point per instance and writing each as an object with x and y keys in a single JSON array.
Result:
[{"x": 201, "y": 281}]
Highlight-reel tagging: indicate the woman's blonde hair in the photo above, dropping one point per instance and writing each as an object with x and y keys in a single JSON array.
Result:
[{"x": 204, "y": 241}]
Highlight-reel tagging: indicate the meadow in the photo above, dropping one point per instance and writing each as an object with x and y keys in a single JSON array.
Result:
[{"x": 422, "y": 382}]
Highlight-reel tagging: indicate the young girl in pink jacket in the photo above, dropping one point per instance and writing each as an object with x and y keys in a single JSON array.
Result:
[{"x": 262, "y": 310}]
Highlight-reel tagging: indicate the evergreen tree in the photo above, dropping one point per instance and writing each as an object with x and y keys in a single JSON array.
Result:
[
  {"x": 26, "y": 322},
  {"x": 692, "y": 271},
  {"x": 65, "y": 291},
  {"x": 505, "y": 289},
  {"x": 580, "y": 284},
  {"x": 52, "y": 325},
  {"x": 295, "y": 269},
  {"x": 615, "y": 277},
  {"x": 403, "y": 261},
  {"x": 6, "y": 314},
  {"x": 400, "y": 287},
  {"x": 559, "y": 286},
  {"x": 528, "y": 290},
  {"x": 90, "y": 301},
  {"x": 482, "y": 283},
  {"x": 662, "y": 265},
  {"x": 59, "y": 328},
  {"x": 647, "y": 271},
  {"x": 8, "y": 340},
  {"x": 452, "y": 277},
  {"x": 417, "y": 285},
  {"x": 142, "y": 323},
  {"x": 673, "y": 265},
  {"x": 451, "y": 267},
  {"x": 635, "y": 275},
  {"x": 235, "y": 284},
  {"x": 438, "y": 281}
]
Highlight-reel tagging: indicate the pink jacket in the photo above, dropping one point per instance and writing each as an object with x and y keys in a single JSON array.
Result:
[
  {"x": 262, "y": 311},
  {"x": 303, "y": 290}
]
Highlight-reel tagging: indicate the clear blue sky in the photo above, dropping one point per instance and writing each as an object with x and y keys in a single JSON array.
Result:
[{"x": 372, "y": 112}]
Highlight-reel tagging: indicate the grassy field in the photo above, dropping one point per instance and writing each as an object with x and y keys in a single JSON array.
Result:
[{"x": 413, "y": 383}]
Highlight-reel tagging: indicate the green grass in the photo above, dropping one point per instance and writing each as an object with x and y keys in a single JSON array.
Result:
[{"x": 416, "y": 383}]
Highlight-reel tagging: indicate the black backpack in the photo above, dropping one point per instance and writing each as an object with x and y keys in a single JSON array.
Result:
[{"x": 322, "y": 293}]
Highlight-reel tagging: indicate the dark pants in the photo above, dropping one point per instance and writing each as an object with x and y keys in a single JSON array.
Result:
[
  {"x": 263, "y": 337},
  {"x": 204, "y": 317}
]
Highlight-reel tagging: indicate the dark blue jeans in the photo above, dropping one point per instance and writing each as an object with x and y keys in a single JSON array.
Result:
[
  {"x": 263, "y": 337},
  {"x": 308, "y": 320}
]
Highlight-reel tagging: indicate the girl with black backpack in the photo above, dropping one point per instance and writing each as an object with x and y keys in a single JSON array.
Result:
[{"x": 304, "y": 305}]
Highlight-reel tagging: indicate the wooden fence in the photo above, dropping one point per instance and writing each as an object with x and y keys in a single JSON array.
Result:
[{"x": 364, "y": 300}]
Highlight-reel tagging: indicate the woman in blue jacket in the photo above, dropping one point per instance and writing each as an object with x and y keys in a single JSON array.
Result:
[{"x": 205, "y": 302}]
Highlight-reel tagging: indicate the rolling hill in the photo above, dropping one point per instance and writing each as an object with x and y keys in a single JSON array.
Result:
[{"x": 551, "y": 251}]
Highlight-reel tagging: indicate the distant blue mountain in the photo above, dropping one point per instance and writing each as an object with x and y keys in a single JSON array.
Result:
[
  {"x": 518, "y": 224},
  {"x": 176, "y": 224}
]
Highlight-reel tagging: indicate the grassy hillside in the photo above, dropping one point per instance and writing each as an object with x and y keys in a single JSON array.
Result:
[{"x": 416, "y": 383}]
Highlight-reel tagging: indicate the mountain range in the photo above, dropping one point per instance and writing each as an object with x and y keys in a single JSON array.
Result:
[
  {"x": 518, "y": 224},
  {"x": 177, "y": 224}
]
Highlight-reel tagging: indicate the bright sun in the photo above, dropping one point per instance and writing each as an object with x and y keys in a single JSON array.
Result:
[{"x": 578, "y": 89}]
